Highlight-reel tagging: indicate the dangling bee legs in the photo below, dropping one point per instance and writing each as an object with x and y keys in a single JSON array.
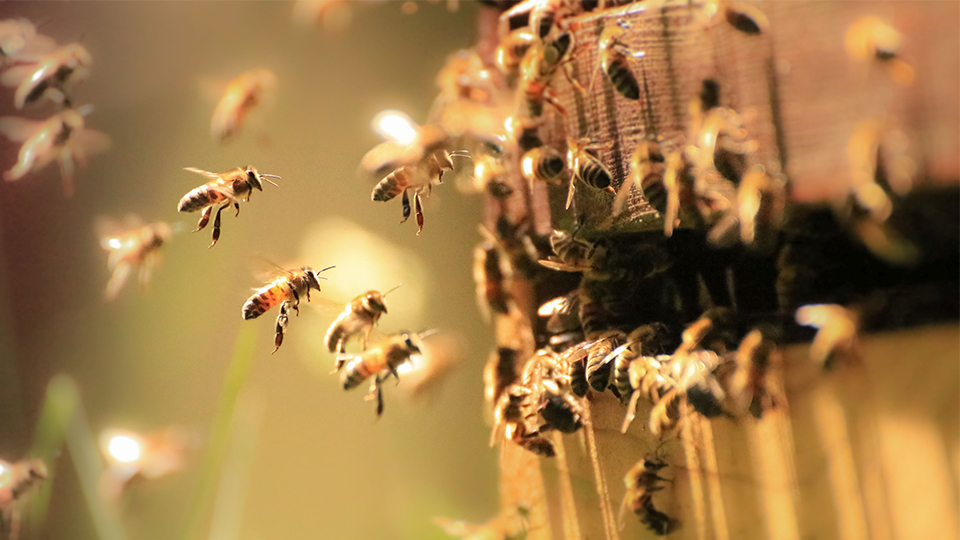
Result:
[
  {"x": 376, "y": 392},
  {"x": 405, "y": 201},
  {"x": 419, "y": 208},
  {"x": 204, "y": 218},
  {"x": 216, "y": 225},
  {"x": 237, "y": 206},
  {"x": 282, "y": 321}
]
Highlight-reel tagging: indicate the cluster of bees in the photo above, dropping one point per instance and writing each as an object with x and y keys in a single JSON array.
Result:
[{"x": 44, "y": 72}]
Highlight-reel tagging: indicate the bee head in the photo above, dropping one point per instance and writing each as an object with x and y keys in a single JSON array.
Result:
[
  {"x": 373, "y": 301},
  {"x": 38, "y": 469},
  {"x": 314, "y": 277},
  {"x": 254, "y": 178},
  {"x": 408, "y": 342}
]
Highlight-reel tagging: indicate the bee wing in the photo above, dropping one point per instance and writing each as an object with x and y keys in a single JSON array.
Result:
[
  {"x": 563, "y": 267},
  {"x": 17, "y": 74},
  {"x": 107, "y": 228},
  {"x": 456, "y": 527},
  {"x": 90, "y": 141},
  {"x": 202, "y": 172},
  {"x": 19, "y": 129},
  {"x": 36, "y": 48},
  {"x": 388, "y": 156}
]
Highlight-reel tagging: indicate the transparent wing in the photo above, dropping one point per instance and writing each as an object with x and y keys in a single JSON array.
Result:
[
  {"x": 201, "y": 172},
  {"x": 90, "y": 141},
  {"x": 17, "y": 74},
  {"x": 19, "y": 129}
]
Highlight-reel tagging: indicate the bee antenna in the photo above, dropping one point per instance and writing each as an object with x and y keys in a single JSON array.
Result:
[
  {"x": 393, "y": 289},
  {"x": 327, "y": 268},
  {"x": 427, "y": 333},
  {"x": 267, "y": 177}
]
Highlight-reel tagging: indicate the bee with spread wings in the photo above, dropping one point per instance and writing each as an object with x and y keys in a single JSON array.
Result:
[
  {"x": 286, "y": 289},
  {"x": 131, "y": 246},
  {"x": 62, "y": 137},
  {"x": 224, "y": 188}
]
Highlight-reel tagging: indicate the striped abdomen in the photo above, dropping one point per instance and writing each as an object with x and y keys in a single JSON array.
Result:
[
  {"x": 622, "y": 355},
  {"x": 200, "y": 198},
  {"x": 598, "y": 369},
  {"x": 655, "y": 192},
  {"x": 623, "y": 79},
  {"x": 263, "y": 300},
  {"x": 591, "y": 171},
  {"x": 391, "y": 186},
  {"x": 359, "y": 369}
]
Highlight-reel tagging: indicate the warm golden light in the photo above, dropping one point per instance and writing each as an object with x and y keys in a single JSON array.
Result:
[
  {"x": 124, "y": 448},
  {"x": 395, "y": 125}
]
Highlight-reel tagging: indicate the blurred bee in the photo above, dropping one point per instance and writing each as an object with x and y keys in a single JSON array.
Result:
[
  {"x": 509, "y": 414},
  {"x": 62, "y": 137},
  {"x": 752, "y": 386},
  {"x": 16, "y": 480},
  {"x": 493, "y": 275},
  {"x": 536, "y": 69},
  {"x": 720, "y": 141},
  {"x": 524, "y": 132},
  {"x": 428, "y": 370},
  {"x": 242, "y": 95},
  {"x": 571, "y": 253},
  {"x": 646, "y": 170},
  {"x": 676, "y": 192},
  {"x": 649, "y": 376},
  {"x": 746, "y": 18},
  {"x": 131, "y": 456},
  {"x": 380, "y": 362},
  {"x": 286, "y": 290},
  {"x": 543, "y": 15},
  {"x": 227, "y": 188},
  {"x": 870, "y": 38},
  {"x": 499, "y": 372},
  {"x": 50, "y": 76},
  {"x": 836, "y": 332},
  {"x": 758, "y": 213},
  {"x": 586, "y": 167},
  {"x": 666, "y": 415},
  {"x": 561, "y": 314},
  {"x": 132, "y": 245},
  {"x": 642, "y": 481},
  {"x": 543, "y": 164},
  {"x": 645, "y": 340},
  {"x": 20, "y": 42},
  {"x": 599, "y": 363},
  {"x": 490, "y": 176},
  {"x": 613, "y": 61},
  {"x": 512, "y": 50},
  {"x": 507, "y": 525},
  {"x": 358, "y": 318}
]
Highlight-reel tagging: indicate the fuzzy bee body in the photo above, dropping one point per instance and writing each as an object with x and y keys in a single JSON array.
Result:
[
  {"x": 358, "y": 318},
  {"x": 242, "y": 95},
  {"x": 543, "y": 164},
  {"x": 50, "y": 76},
  {"x": 16, "y": 481},
  {"x": 133, "y": 248},
  {"x": 379, "y": 362},
  {"x": 286, "y": 290},
  {"x": 587, "y": 167},
  {"x": 226, "y": 189}
]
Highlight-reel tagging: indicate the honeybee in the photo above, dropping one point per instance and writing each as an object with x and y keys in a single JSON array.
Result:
[
  {"x": 525, "y": 132},
  {"x": 131, "y": 456},
  {"x": 586, "y": 167},
  {"x": 62, "y": 137},
  {"x": 509, "y": 414},
  {"x": 242, "y": 95},
  {"x": 358, "y": 318},
  {"x": 642, "y": 481},
  {"x": 751, "y": 387},
  {"x": 131, "y": 245},
  {"x": 490, "y": 175},
  {"x": 572, "y": 254},
  {"x": 543, "y": 15},
  {"x": 599, "y": 363},
  {"x": 227, "y": 188},
  {"x": 285, "y": 290},
  {"x": 746, "y": 18},
  {"x": 511, "y": 51},
  {"x": 19, "y": 41},
  {"x": 380, "y": 362},
  {"x": 758, "y": 213},
  {"x": 645, "y": 340},
  {"x": 870, "y": 38},
  {"x": 493, "y": 275},
  {"x": 499, "y": 372},
  {"x": 649, "y": 376},
  {"x": 49, "y": 76},
  {"x": 836, "y": 332},
  {"x": 720, "y": 141},
  {"x": 16, "y": 480},
  {"x": 543, "y": 164},
  {"x": 613, "y": 61},
  {"x": 666, "y": 415},
  {"x": 646, "y": 162}
]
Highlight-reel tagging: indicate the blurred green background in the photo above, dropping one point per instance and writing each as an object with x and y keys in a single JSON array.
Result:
[{"x": 322, "y": 467}]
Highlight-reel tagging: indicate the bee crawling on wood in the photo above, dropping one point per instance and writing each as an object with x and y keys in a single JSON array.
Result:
[
  {"x": 227, "y": 188},
  {"x": 358, "y": 318},
  {"x": 16, "y": 481},
  {"x": 132, "y": 246},
  {"x": 642, "y": 481},
  {"x": 286, "y": 289},
  {"x": 62, "y": 137},
  {"x": 381, "y": 362},
  {"x": 50, "y": 76}
]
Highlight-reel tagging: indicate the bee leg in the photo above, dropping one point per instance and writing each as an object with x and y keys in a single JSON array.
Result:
[
  {"x": 237, "y": 206},
  {"x": 376, "y": 393},
  {"x": 146, "y": 270},
  {"x": 216, "y": 226},
  {"x": 282, "y": 321},
  {"x": 117, "y": 280},
  {"x": 66, "y": 172},
  {"x": 419, "y": 207},
  {"x": 204, "y": 218},
  {"x": 405, "y": 201},
  {"x": 296, "y": 306}
]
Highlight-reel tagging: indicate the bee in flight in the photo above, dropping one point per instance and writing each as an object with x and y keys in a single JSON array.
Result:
[
  {"x": 286, "y": 290},
  {"x": 132, "y": 245},
  {"x": 131, "y": 456},
  {"x": 226, "y": 188},
  {"x": 62, "y": 137},
  {"x": 380, "y": 362},
  {"x": 16, "y": 479},
  {"x": 242, "y": 95},
  {"x": 358, "y": 318},
  {"x": 642, "y": 481},
  {"x": 49, "y": 76}
]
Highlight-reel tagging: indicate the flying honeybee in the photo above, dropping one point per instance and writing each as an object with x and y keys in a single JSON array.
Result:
[
  {"x": 132, "y": 246},
  {"x": 227, "y": 188},
  {"x": 62, "y": 137},
  {"x": 380, "y": 362},
  {"x": 242, "y": 95},
  {"x": 16, "y": 480},
  {"x": 586, "y": 167},
  {"x": 286, "y": 290},
  {"x": 50, "y": 76},
  {"x": 642, "y": 481},
  {"x": 358, "y": 318},
  {"x": 131, "y": 456},
  {"x": 20, "y": 42}
]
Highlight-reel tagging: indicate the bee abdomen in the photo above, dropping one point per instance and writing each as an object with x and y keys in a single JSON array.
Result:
[
  {"x": 655, "y": 192},
  {"x": 623, "y": 79},
  {"x": 594, "y": 174},
  {"x": 259, "y": 304},
  {"x": 621, "y": 373},
  {"x": 355, "y": 373},
  {"x": 391, "y": 186},
  {"x": 198, "y": 198},
  {"x": 598, "y": 371},
  {"x": 578, "y": 377},
  {"x": 334, "y": 335}
]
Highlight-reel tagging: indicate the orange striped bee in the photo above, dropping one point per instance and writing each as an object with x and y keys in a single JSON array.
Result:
[
  {"x": 358, "y": 318},
  {"x": 242, "y": 95},
  {"x": 286, "y": 290},
  {"x": 50, "y": 76},
  {"x": 380, "y": 362},
  {"x": 132, "y": 245},
  {"x": 62, "y": 137},
  {"x": 16, "y": 479},
  {"x": 227, "y": 188},
  {"x": 416, "y": 179}
]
